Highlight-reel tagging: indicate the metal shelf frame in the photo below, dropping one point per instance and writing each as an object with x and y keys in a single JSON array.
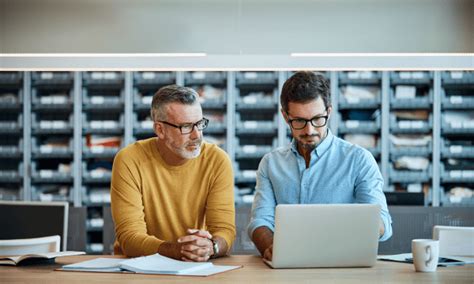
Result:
[{"x": 129, "y": 84}]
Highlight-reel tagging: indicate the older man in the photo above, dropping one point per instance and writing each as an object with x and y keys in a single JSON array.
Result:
[{"x": 173, "y": 194}]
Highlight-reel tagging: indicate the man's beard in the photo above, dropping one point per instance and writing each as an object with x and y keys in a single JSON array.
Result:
[
  {"x": 308, "y": 146},
  {"x": 188, "y": 154}
]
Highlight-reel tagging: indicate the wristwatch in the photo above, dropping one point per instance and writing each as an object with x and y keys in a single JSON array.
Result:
[{"x": 215, "y": 246}]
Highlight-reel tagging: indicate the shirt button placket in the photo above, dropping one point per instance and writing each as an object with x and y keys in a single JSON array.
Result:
[
  {"x": 303, "y": 188},
  {"x": 302, "y": 166}
]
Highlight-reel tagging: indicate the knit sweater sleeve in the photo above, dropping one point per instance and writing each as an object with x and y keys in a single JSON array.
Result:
[
  {"x": 127, "y": 207},
  {"x": 220, "y": 208}
]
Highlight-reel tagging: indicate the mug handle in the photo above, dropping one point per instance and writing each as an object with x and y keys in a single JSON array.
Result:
[{"x": 430, "y": 256}]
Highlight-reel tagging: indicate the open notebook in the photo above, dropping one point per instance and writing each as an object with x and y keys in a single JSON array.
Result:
[
  {"x": 36, "y": 258},
  {"x": 152, "y": 264}
]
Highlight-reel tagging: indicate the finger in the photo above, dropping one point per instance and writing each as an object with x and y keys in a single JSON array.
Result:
[
  {"x": 268, "y": 254},
  {"x": 203, "y": 243},
  {"x": 189, "y": 247},
  {"x": 265, "y": 254},
  {"x": 199, "y": 251},
  {"x": 194, "y": 257},
  {"x": 192, "y": 231},
  {"x": 201, "y": 233},
  {"x": 196, "y": 240},
  {"x": 202, "y": 252},
  {"x": 192, "y": 247},
  {"x": 197, "y": 255},
  {"x": 205, "y": 234},
  {"x": 188, "y": 238}
]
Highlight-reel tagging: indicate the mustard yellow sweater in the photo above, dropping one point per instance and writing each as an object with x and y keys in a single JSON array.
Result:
[{"x": 153, "y": 202}]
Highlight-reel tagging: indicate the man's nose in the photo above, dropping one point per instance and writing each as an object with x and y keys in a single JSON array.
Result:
[
  {"x": 309, "y": 129},
  {"x": 195, "y": 133}
]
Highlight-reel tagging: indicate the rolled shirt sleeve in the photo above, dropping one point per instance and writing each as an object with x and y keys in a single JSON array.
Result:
[
  {"x": 263, "y": 207},
  {"x": 369, "y": 189}
]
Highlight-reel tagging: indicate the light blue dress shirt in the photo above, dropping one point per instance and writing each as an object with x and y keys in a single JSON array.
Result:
[{"x": 339, "y": 172}]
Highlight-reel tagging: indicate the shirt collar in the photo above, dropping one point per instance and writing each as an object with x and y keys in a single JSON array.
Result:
[
  {"x": 325, "y": 144},
  {"x": 320, "y": 149}
]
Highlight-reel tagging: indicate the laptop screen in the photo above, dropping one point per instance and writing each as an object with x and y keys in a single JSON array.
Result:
[{"x": 21, "y": 220}]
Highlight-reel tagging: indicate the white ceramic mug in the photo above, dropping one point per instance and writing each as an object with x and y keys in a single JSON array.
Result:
[{"x": 425, "y": 254}]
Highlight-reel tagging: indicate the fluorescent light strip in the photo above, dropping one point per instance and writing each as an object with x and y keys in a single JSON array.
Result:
[
  {"x": 102, "y": 55},
  {"x": 120, "y": 69},
  {"x": 301, "y": 54},
  {"x": 202, "y": 54}
]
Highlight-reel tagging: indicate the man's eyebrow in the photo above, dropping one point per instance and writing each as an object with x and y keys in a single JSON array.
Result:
[
  {"x": 298, "y": 117},
  {"x": 184, "y": 123}
]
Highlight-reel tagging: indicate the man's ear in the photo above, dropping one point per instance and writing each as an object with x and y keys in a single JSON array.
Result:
[
  {"x": 329, "y": 110},
  {"x": 158, "y": 129}
]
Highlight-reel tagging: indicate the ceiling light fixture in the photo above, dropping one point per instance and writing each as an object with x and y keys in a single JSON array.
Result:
[
  {"x": 310, "y": 54},
  {"x": 103, "y": 55}
]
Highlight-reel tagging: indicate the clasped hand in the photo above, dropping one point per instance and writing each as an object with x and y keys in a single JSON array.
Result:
[{"x": 196, "y": 246}]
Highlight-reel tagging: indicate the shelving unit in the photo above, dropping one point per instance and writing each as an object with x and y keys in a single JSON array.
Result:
[
  {"x": 103, "y": 126},
  {"x": 359, "y": 98},
  {"x": 457, "y": 136},
  {"x": 256, "y": 127},
  {"x": 11, "y": 126},
  {"x": 63, "y": 129},
  {"x": 52, "y": 123},
  {"x": 411, "y": 126}
]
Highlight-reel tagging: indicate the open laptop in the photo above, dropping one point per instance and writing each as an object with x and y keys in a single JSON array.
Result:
[{"x": 329, "y": 235}]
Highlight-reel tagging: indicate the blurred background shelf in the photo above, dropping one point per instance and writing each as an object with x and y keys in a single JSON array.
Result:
[{"x": 78, "y": 121}]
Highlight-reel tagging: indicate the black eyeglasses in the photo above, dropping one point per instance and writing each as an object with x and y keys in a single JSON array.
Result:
[
  {"x": 189, "y": 127},
  {"x": 300, "y": 123}
]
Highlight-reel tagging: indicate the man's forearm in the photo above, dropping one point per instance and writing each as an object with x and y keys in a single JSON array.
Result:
[
  {"x": 262, "y": 237},
  {"x": 172, "y": 250}
]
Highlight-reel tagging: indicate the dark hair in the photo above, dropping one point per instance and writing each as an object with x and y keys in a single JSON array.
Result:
[
  {"x": 305, "y": 86},
  {"x": 171, "y": 94}
]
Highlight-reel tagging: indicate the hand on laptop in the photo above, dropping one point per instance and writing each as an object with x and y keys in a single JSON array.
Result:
[
  {"x": 196, "y": 246},
  {"x": 262, "y": 237},
  {"x": 268, "y": 253}
]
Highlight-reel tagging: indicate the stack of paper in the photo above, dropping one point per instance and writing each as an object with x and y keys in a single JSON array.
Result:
[
  {"x": 96, "y": 265},
  {"x": 156, "y": 263}
]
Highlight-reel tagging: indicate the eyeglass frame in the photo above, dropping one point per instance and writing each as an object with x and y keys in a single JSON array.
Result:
[
  {"x": 326, "y": 117},
  {"x": 180, "y": 127}
]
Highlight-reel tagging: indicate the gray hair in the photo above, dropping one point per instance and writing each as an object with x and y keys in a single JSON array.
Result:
[{"x": 171, "y": 94}]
